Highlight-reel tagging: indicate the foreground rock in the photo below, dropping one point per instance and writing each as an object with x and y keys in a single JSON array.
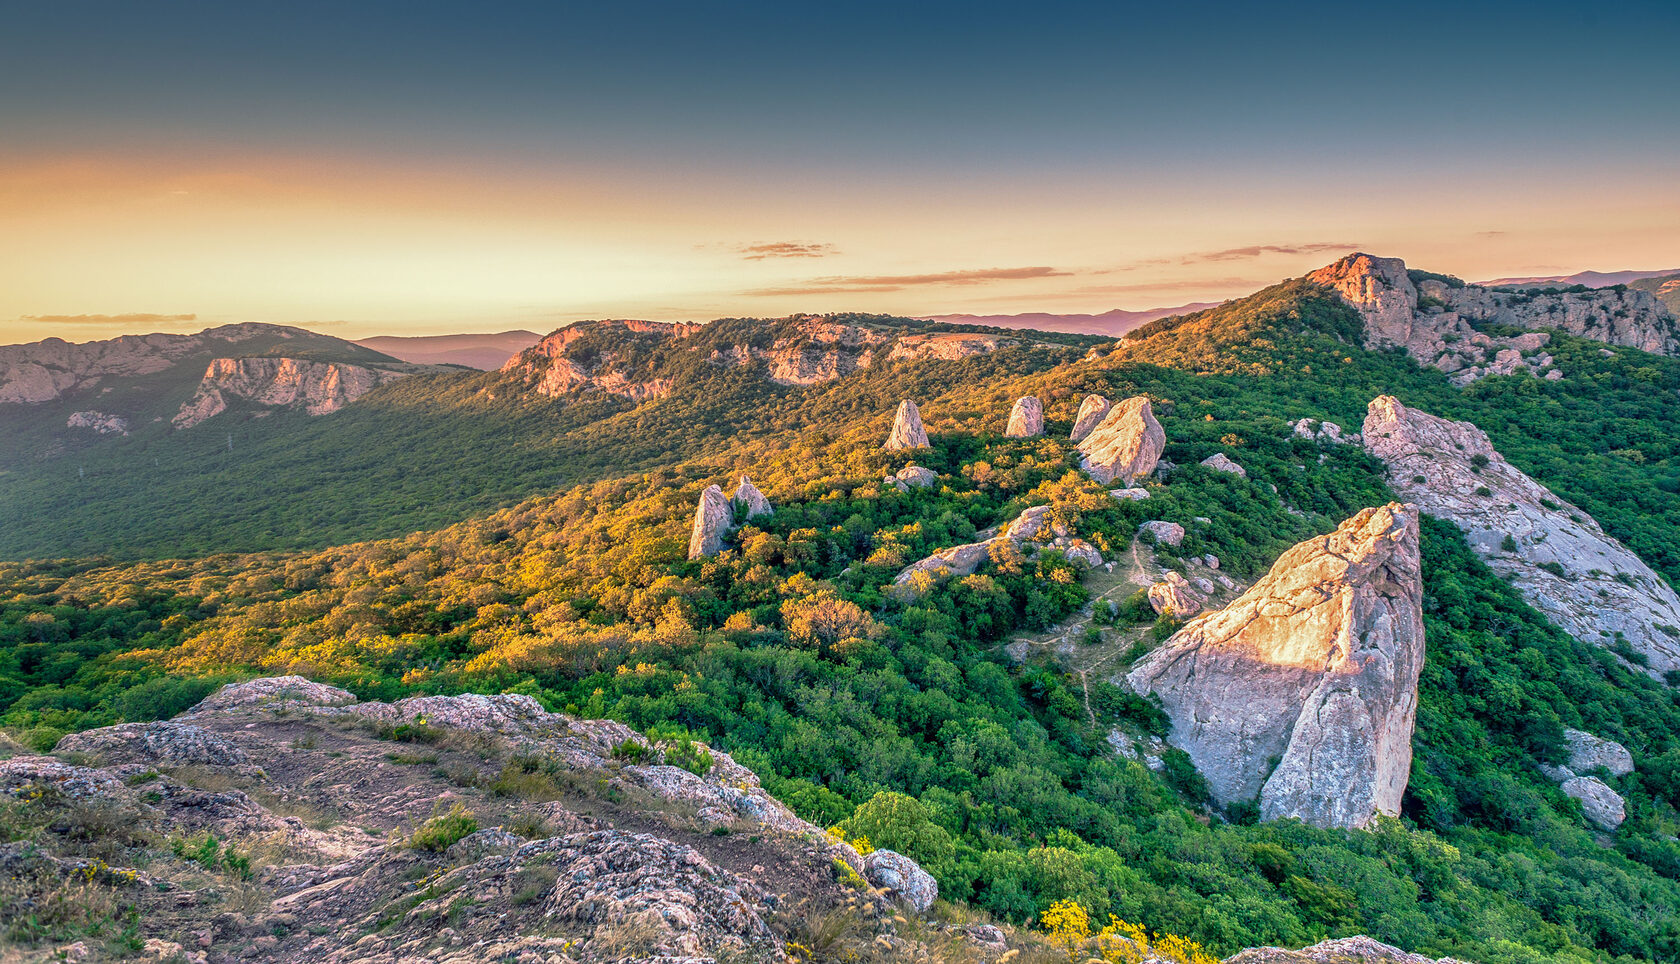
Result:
[
  {"x": 1431, "y": 319},
  {"x": 712, "y": 518},
  {"x": 1026, "y": 419},
  {"x": 1556, "y": 555},
  {"x": 751, "y": 502},
  {"x": 1342, "y": 950},
  {"x": 901, "y": 876},
  {"x": 907, "y": 431},
  {"x": 1316, "y": 667},
  {"x": 1091, "y": 413},
  {"x": 315, "y": 387},
  {"x": 1125, "y": 445}
]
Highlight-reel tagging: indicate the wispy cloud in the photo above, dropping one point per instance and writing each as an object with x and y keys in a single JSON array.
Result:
[
  {"x": 135, "y": 318},
  {"x": 1259, "y": 250},
  {"x": 1489, "y": 235},
  {"x": 841, "y": 284},
  {"x": 786, "y": 249}
]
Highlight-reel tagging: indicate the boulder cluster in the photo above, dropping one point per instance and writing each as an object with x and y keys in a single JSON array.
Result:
[{"x": 716, "y": 515}]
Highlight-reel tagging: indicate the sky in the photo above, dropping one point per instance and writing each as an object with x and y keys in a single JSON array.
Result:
[{"x": 418, "y": 168}]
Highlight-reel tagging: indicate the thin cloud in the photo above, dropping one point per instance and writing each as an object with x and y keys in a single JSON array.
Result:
[
  {"x": 786, "y": 249},
  {"x": 1258, "y": 250},
  {"x": 845, "y": 284},
  {"x": 133, "y": 318},
  {"x": 1490, "y": 234}
]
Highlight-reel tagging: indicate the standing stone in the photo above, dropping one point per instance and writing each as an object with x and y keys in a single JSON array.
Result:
[
  {"x": 1126, "y": 444},
  {"x": 907, "y": 430},
  {"x": 752, "y": 502},
  {"x": 1026, "y": 420},
  {"x": 1315, "y": 667},
  {"x": 711, "y": 521},
  {"x": 1091, "y": 412}
]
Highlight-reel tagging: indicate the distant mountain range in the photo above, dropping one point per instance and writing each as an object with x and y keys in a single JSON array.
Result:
[
  {"x": 1116, "y": 322},
  {"x": 483, "y": 351},
  {"x": 1592, "y": 279}
]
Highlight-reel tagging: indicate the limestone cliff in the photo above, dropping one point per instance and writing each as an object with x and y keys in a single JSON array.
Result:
[
  {"x": 1315, "y": 667},
  {"x": 1431, "y": 319},
  {"x": 1584, "y": 580},
  {"x": 315, "y": 387}
]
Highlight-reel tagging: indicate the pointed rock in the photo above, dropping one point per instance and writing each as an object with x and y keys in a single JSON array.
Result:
[
  {"x": 1316, "y": 667},
  {"x": 1091, "y": 412},
  {"x": 752, "y": 502},
  {"x": 1125, "y": 445},
  {"x": 1026, "y": 419},
  {"x": 711, "y": 521},
  {"x": 1556, "y": 555},
  {"x": 907, "y": 431}
]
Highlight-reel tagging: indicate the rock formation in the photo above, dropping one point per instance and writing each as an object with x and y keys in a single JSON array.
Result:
[
  {"x": 1431, "y": 319},
  {"x": 99, "y": 422},
  {"x": 1585, "y": 581},
  {"x": 1129, "y": 495},
  {"x": 1125, "y": 445},
  {"x": 1220, "y": 462},
  {"x": 1163, "y": 533},
  {"x": 1342, "y": 950},
  {"x": 1603, "y": 807},
  {"x": 44, "y": 370},
  {"x": 1026, "y": 419},
  {"x": 1588, "y": 753},
  {"x": 1034, "y": 525},
  {"x": 712, "y": 518},
  {"x": 907, "y": 431},
  {"x": 903, "y": 877},
  {"x": 1091, "y": 413},
  {"x": 916, "y": 475},
  {"x": 315, "y": 387},
  {"x": 750, "y": 501},
  {"x": 1323, "y": 432},
  {"x": 1175, "y": 596},
  {"x": 1316, "y": 667}
]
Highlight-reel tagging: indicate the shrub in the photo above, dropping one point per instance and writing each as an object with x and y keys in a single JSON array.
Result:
[{"x": 441, "y": 831}]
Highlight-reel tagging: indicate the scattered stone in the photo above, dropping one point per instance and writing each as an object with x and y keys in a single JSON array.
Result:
[
  {"x": 1164, "y": 533},
  {"x": 1126, "y": 444},
  {"x": 907, "y": 431},
  {"x": 1026, "y": 420},
  {"x": 1314, "y": 667},
  {"x": 751, "y": 502},
  {"x": 1175, "y": 596},
  {"x": 711, "y": 520},
  {"x": 1219, "y": 462},
  {"x": 903, "y": 877},
  {"x": 1091, "y": 413}
]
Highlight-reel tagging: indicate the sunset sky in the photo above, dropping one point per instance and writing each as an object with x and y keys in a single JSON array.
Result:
[{"x": 418, "y": 168}]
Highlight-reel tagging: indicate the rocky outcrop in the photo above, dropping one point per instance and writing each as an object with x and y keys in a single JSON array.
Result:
[
  {"x": 901, "y": 877},
  {"x": 1125, "y": 445},
  {"x": 315, "y": 387},
  {"x": 1603, "y": 807},
  {"x": 1091, "y": 413},
  {"x": 1220, "y": 462},
  {"x": 916, "y": 476},
  {"x": 947, "y": 346},
  {"x": 568, "y": 361},
  {"x": 98, "y": 422},
  {"x": 1314, "y": 667},
  {"x": 1342, "y": 950},
  {"x": 1161, "y": 533},
  {"x": 1175, "y": 596},
  {"x": 1026, "y": 419},
  {"x": 712, "y": 519},
  {"x": 1588, "y": 753},
  {"x": 1554, "y": 553},
  {"x": 1032, "y": 525},
  {"x": 907, "y": 431},
  {"x": 750, "y": 502},
  {"x": 1431, "y": 319},
  {"x": 45, "y": 370},
  {"x": 1328, "y": 433},
  {"x": 163, "y": 742}
]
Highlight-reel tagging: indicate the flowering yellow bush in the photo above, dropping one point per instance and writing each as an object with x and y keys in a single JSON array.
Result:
[{"x": 1068, "y": 926}]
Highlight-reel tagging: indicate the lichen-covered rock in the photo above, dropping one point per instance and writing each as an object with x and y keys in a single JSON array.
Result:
[
  {"x": 712, "y": 518},
  {"x": 1585, "y": 581},
  {"x": 1603, "y": 807},
  {"x": 1125, "y": 445},
  {"x": 907, "y": 431},
  {"x": 903, "y": 877},
  {"x": 273, "y": 692},
  {"x": 917, "y": 476},
  {"x": 1220, "y": 462},
  {"x": 1091, "y": 413},
  {"x": 1163, "y": 533},
  {"x": 163, "y": 742},
  {"x": 20, "y": 773},
  {"x": 751, "y": 501},
  {"x": 1026, "y": 419},
  {"x": 1316, "y": 667},
  {"x": 1588, "y": 753}
]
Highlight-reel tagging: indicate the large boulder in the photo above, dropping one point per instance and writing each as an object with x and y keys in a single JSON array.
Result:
[
  {"x": 711, "y": 520},
  {"x": 1175, "y": 596},
  {"x": 1162, "y": 533},
  {"x": 916, "y": 475},
  {"x": 903, "y": 877},
  {"x": 907, "y": 431},
  {"x": 1556, "y": 555},
  {"x": 1091, "y": 413},
  {"x": 1125, "y": 445},
  {"x": 1315, "y": 667},
  {"x": 1220, "y": 462},
  {"x": 1026, "y": 419},
  {"x": 1588, "y": 753},
  {"x": 751, "y": 501},
  {"x": 1603, "y": 807}
]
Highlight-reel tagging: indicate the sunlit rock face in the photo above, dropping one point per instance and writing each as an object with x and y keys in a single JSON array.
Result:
[
  {"x": 1091, "y": 413},
  {"x": 751, "y": 502},
  {"x": 1554, "y": 553},
  {"x": 1026, "y": 419},
  {"x": 1125, "y": 445},
  {"x": 711, "y": 520},
  {"x": 316, "y": 387},
  {"x": 907, "y": 431},
  {"x": 1315, "y": 669}
]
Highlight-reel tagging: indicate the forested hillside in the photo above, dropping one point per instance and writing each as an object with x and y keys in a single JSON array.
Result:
[{"x": 899, "y": 717}]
